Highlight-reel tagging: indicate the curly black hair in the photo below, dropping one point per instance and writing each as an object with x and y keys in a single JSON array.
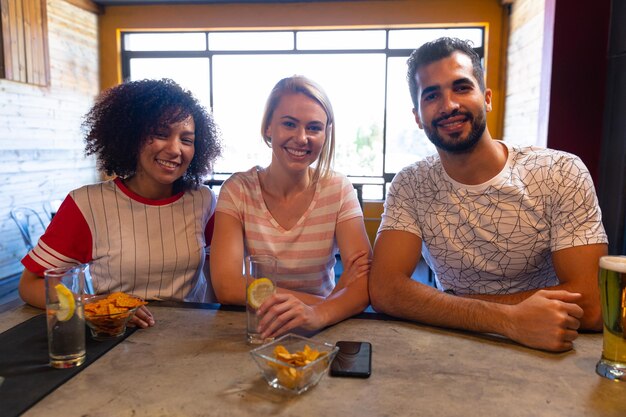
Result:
[
  {"x": 439, "y": 49},
  {"x": 123, "y": 117}
]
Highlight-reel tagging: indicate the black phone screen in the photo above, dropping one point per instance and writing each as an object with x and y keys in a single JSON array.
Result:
[{"x": 354, "y": 359}]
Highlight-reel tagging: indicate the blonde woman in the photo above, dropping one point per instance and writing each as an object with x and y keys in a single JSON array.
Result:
[{"x": 298, "y": 210}]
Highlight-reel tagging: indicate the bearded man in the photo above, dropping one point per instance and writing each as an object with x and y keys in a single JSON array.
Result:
[{"x": 513, "y": 234}]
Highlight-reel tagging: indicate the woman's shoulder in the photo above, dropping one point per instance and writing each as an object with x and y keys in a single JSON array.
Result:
[
  {"x": 103, "y": 186},
  {"x": 336, "y": 187},
  {"x": 335, "y": 178},
  {"x": 246, "y": 179},
  {"x": 204, "y": 191}
]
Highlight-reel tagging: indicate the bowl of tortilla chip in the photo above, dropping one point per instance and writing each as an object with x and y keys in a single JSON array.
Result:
[
  {"x": 107, "y": 315},
  {"x": 294, "y": 363}
]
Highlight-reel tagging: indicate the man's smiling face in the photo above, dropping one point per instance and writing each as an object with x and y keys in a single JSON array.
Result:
[{"x": 452, "y": 108}]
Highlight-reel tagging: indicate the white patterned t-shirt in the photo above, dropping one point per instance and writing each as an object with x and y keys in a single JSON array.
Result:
[{"x": 497, "y": 237}]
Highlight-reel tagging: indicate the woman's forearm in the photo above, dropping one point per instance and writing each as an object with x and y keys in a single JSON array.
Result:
[
  {"x": 32, "y": 289},
  {"x": 344, "y": 303}
]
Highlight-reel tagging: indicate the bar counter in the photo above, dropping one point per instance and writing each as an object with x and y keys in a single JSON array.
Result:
[{"x": 195, "y": 362}]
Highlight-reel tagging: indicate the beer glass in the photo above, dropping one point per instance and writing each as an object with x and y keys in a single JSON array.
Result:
[
  {"x": 612, "y": 282},
  {"x": 260, "y": 284},
  {"x": 65, "y": 289}
]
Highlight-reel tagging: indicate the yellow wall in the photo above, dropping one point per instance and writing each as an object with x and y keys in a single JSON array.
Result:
[
  {"x": 372, "y": 210},
  {"x": 364, "y": 14}
]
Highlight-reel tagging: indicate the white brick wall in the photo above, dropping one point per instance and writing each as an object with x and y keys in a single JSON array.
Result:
[
  {"x": 41, "y": 144},
  {"x": 524, "y": 58}
]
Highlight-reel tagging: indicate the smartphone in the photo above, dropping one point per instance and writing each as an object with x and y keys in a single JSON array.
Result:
[{"x": 354, "y": 359}]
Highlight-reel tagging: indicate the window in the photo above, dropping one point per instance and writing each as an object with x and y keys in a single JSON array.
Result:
[
  {"x": 24, "y": 41},
  {"x": 362, "y": 71}
]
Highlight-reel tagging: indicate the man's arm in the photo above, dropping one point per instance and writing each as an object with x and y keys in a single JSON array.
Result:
[
  {"x": 546, "y": 320},
  {"x": 577, "y": 270},
  {"x": 392, "y": 291}
]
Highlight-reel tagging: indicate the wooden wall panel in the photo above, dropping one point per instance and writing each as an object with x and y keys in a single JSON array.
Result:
[
  {"x": 29, "y": 23},
  {"x": 17, "y": 41},
  {"x": 3, "y": 37},
  {"x": 41, "y": 145},
  {"x": 43, "y": 56},
  {"x": 25, "y": 41},
  {"x": 10, "y": 33}
]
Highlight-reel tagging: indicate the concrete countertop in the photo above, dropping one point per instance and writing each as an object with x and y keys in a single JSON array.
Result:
[{"x": 195, "y": 362}]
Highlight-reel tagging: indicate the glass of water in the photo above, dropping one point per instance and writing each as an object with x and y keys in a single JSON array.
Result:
[
  {"x": 65, "y": 289},
  {"x": 260, "y": 284}
]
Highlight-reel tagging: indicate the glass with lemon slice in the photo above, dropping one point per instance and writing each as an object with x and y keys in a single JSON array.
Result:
[
  {"x": 260, "y": 284},
  {"x": 65, "y": 315}
]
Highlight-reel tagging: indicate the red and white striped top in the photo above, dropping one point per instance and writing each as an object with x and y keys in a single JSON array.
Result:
[
  {"x": 151, "y": 248},
  {"x": 306, "y": 252}
]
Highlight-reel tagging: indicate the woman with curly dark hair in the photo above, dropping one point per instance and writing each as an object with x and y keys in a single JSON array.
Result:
[{"x": 146, "y": 231}]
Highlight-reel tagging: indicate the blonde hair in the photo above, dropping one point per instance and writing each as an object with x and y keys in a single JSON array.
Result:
[{"x": 303, "y": 85}]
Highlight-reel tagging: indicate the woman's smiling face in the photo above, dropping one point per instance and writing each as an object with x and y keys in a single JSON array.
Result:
[
  {"x": 298, "y": 131},
  {"x": 166, "y": 155}
]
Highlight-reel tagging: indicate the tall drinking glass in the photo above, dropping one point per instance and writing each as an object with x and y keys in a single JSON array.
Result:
[
  {"x": 260, "y": 284},
  {"x": 612, "y": 281},
  {"x": 65, "y": 288}
]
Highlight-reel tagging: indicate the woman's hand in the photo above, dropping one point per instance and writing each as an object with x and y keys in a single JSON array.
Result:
[
  {"x": 143, "y": 318},
  {"x": 283, "y": 312},
  {"x": 355, "y": 267}
]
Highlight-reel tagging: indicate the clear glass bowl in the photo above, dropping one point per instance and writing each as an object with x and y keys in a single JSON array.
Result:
[
  {"x": 107, "y": 326},
  {"x": 295, "y": 379}
]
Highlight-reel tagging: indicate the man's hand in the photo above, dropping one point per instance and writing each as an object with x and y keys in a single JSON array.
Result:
[{"x": 546, "y": 320}]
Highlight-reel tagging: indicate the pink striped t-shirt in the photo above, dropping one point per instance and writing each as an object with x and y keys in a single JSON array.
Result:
[{"x": 306, "y": 252}]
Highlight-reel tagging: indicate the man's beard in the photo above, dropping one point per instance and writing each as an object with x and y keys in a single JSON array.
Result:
[{"x": 458, "y": 144}]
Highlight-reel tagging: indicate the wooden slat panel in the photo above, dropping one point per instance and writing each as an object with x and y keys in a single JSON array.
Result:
[
  {"x": 43, "y": 68},
  {"x": 4, "y": 35},
  {"x": 24, "y": 49},
  {"x": 7, "y": 39},
  {"x": 27, "y": 22},
  {"x": 12, "y": 57},
  {"x": 19, "y": 34}
]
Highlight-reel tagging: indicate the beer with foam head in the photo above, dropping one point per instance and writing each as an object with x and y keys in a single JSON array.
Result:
[{"x": 612, "y": 282}]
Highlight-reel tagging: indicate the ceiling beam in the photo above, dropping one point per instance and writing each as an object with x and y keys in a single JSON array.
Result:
[{"x": 88, "y": 5}]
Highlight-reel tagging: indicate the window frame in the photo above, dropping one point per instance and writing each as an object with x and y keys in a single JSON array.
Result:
[{"x": 360, "y": 180}]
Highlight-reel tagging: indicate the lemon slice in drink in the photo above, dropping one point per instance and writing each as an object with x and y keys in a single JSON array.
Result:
[
  {"x": 258, "y": 291},
  {"x": 67, "y": 304}
]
